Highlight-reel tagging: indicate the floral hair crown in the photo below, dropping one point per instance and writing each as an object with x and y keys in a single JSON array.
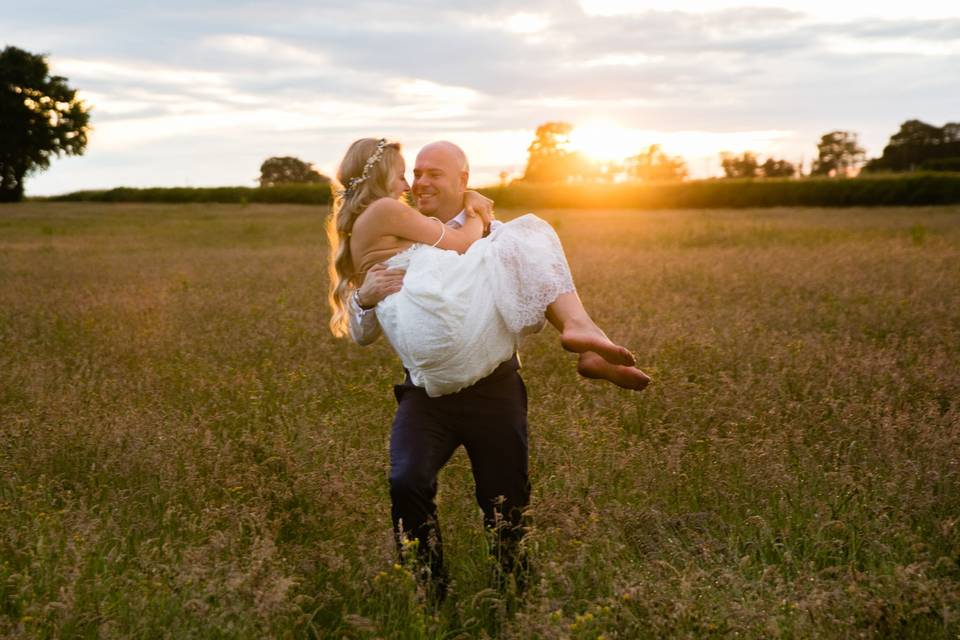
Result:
[{"x": 353, "y": 183}]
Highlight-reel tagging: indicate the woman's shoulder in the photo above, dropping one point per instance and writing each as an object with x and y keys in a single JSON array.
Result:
[
  {"x": 383, "y": 211},
  {"x": 386, "y": 206}
]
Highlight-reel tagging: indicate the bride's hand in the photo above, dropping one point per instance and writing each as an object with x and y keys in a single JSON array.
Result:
[{"x": 476, "y": 204}]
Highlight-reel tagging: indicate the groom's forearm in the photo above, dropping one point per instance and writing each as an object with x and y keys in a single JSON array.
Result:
[{"x": 364, "y": 326}]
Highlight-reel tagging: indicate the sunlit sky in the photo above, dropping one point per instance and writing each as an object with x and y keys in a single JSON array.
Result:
[{"x": 200, "y": 93}]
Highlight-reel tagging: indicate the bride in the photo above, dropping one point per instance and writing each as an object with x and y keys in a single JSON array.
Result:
[{"x": 466, "y": 300}]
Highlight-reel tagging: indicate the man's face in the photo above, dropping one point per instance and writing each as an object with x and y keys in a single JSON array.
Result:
[{"x": 438, "y": 182}]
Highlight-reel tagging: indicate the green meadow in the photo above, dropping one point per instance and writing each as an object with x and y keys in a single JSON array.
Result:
[{"x": 186, "y": 451}]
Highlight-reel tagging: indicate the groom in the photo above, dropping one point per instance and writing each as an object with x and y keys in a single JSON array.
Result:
[{"x": 488, "y": 418}]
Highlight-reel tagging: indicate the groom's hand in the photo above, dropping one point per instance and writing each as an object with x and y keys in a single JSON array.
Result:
[{"x": 378, "y": 284}]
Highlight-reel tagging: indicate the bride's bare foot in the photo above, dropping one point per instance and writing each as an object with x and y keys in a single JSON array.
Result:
[
  {"x": 580, "y": 337},
  {"x": 596, "y": 367}
]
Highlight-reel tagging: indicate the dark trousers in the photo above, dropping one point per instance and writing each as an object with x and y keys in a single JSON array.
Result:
[{"x": 489, "y": 419}]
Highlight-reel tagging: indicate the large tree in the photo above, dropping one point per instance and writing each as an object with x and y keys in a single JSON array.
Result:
[
  {"x": 918, "y": 145},
  {"x": 839, "y": 153},
  {"x": 289, "y": 170},
  {"x": 652, "y": 165},
  {"x": 551, "y": 159},
  {"x": 40, "y": 117}
]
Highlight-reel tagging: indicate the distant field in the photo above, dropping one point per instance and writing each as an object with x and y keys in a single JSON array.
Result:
[{"x": 185, "y": 451}]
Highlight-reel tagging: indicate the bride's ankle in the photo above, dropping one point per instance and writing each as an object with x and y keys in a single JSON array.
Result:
[{"x": 581, "y": 324}]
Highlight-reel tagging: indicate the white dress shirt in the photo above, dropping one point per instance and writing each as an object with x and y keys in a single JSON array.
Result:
[{"x": 364, "y": 327}]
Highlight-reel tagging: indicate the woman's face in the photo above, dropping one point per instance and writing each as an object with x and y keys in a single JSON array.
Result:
[{"x": 399, "y": 185}]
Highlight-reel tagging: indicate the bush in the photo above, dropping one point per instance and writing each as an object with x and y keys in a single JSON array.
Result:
[
  {"x": 872, "y": 190},
  {"x": 941, "y": 164},
  {"x": 875, "y": 190},
  {"x": 289, "y": 194}
]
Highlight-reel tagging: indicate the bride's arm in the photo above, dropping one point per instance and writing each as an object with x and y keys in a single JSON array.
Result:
[
  {"x": 477, "y": 204},
  {"x": 392, "y": 217}
]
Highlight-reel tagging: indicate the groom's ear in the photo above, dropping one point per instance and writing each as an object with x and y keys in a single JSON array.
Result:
[{"x": 464, "y": 179}]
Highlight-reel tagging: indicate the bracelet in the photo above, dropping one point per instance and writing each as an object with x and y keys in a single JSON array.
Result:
[
  {"x": 443, "y": 230},
  {"x": 356, "y": 298}
]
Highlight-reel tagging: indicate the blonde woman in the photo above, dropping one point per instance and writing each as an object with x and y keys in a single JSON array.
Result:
[{"x": 465, "y": 303}]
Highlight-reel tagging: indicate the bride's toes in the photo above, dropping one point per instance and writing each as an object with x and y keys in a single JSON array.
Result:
[
  {"x": 614, "y": 354},
  {"x": 592, "y": 365},
  {"x": 582, "y": 342}
]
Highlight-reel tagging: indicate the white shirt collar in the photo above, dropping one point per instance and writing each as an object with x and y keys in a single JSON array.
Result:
[{"x": 460, "y": 218}]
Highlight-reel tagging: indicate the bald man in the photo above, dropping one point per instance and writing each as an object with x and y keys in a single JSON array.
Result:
[{"x": 488, "y": 418}]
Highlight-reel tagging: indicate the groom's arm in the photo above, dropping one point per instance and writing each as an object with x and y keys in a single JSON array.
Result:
[
  {"x": 364, "y": 326},
  {"x": 378, "y": 283}
]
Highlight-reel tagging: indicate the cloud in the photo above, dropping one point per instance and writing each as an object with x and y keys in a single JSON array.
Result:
[{"x": 183, "y": 74}]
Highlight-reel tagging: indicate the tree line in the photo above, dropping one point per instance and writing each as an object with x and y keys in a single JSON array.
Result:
[
  {"x": 41, "y": 118},
  {"x": 917, "y": 146}
]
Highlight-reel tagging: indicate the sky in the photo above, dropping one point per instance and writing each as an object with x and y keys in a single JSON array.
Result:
[{"x": 200, "y": 93}]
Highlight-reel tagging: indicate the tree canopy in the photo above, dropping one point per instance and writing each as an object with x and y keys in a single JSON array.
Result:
[
  {"x": 40, "y": 117},
  {"x": 748, "y": 165},
  {"x": 551, "y": 159},
  {"x": 839, "y": 153},
  {"x": 918, "y": 145},
  {"x": 745, "y": 166},
  {"x": 289, "y": 170},
  {"x": 653, "y": 165},
  {"x": 772, "y": 168}
]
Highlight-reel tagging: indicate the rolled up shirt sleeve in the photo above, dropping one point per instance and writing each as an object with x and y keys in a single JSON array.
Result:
[{"x": 364, "y": 326}]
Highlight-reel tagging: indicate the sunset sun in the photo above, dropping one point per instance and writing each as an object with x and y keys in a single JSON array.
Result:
[{"x": 605, "y": 140}]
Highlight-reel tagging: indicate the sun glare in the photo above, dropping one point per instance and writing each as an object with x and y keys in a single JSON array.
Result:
[
  {"x": 603, "y": 141},
  {"x": 607, "y": 141}
]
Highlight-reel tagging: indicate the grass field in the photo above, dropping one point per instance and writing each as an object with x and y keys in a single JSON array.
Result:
[{"x": 185, "y": 451}]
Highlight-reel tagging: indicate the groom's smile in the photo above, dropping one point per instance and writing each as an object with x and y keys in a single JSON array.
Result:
[{"x": 439, "y": 180}]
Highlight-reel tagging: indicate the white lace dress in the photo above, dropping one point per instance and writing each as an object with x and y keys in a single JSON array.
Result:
[{"x": 459, "y": 316}]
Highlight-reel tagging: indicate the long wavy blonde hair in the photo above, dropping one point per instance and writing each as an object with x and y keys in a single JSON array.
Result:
[{"x": 346, "y": 209}]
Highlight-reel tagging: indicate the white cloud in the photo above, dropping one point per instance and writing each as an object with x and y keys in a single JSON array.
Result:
[
  {"x": 262, "y": 48},
  {"x": 81, "y": 70},
  {"x": 197, "y": 80},
  {"x": 527, "y": 23},
  {"x": 847, "y": 45},
  {"x": 105, "y": 103},
  {"x": 623, "y": 60},
  {"x": 829, "y": 10},
  {"x": 424, "y": 100}
]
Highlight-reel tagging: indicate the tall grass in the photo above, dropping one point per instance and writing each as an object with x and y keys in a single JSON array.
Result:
[{"x": 186, "y": 452}]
